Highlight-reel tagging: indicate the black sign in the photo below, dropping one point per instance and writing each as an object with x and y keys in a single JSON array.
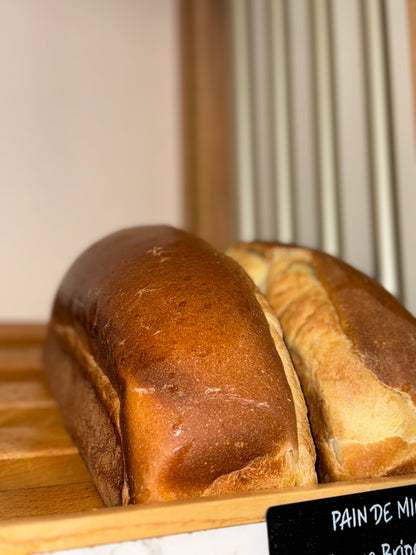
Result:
[{"x": 381, "y": 522}]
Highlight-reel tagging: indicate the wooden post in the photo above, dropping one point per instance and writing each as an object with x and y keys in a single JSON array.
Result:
[{"x": 207, "y": 120}]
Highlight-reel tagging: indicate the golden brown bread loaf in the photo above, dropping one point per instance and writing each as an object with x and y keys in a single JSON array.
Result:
[
  {"x": 354, "y": 347},
  {"x": 171, "y": 372}
]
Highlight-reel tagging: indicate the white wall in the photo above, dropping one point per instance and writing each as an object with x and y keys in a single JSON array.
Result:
[{"x": 89, "y": 134}]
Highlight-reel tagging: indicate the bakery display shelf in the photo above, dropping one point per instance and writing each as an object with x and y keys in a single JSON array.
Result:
[{"x": 47, "y": 499}]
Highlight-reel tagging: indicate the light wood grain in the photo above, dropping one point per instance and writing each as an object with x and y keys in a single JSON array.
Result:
[
  {"x": 42, "y": 470},
  {"x": 22, "y": 333},
  {"x": 20, "y": 358},
  {"x": 21, "y": 375},
  {"x": 30, "y": 416},
  {"x": 17, "y": 442},
  {"x": 49, "y": 500},
  {"x": 25, "y": 394}
]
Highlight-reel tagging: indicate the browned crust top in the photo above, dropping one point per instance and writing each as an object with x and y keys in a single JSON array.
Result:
[
  {"x": 382, "y": 331},
  {"x": 164, "y": 313}
]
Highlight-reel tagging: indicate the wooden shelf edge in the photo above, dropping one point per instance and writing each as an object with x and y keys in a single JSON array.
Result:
[
  {"x": 22, "y": 333},
  {"x": 102, "y": 526}
]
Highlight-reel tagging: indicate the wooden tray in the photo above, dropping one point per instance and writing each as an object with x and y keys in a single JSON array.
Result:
[{"x": 47, "y": 499}]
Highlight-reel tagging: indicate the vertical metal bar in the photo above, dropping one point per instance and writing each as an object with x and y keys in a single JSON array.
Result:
[
  {"x": 354, "y": 181},
  {"x": 325, "y": 128},
  {"x": 284, "y": 207},
  {"x": 302, "y": 121},
  {"x": 262, "y": 124},
  {"x": 380, "y": 145},
  {"x": 243, "y": 128}
]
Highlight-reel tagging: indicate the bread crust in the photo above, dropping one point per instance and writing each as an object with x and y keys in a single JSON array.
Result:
[
  {"x": 170, "y": 337},
  {"x": 354, "y": 348}
]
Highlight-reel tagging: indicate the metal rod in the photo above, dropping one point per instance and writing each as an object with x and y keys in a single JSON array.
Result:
[
  {"x": 381, "y": 148},
  {"x": 243, "y": 127},
  {"x": 330, "y": 236},
  {"x": 281, "y": 120}
]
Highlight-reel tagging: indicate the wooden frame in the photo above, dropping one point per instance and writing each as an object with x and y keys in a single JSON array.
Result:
[{"x": 207, "y": 120}]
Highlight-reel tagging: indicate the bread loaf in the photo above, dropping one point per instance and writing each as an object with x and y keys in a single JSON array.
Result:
[
  {"x": 354, "y": 348},
  {"x": 171, "y": 372}
]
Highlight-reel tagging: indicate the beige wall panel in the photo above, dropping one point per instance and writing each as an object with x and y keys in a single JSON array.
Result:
[{"x": 89, "y": 134}]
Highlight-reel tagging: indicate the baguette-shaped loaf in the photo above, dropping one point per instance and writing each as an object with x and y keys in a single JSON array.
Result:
[
  {"x": 354, "y": 348},
  {"x": 171, "y": 372}
]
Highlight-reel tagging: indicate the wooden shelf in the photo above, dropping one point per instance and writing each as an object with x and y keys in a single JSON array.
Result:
[{"x": 47, "y": 499}]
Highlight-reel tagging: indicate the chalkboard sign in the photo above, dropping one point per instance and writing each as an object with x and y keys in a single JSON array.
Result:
[{"x": 381, "y": 522}]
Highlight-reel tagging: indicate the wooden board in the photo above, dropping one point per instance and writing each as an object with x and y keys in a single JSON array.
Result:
[{"x": 47, "y": 499}]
